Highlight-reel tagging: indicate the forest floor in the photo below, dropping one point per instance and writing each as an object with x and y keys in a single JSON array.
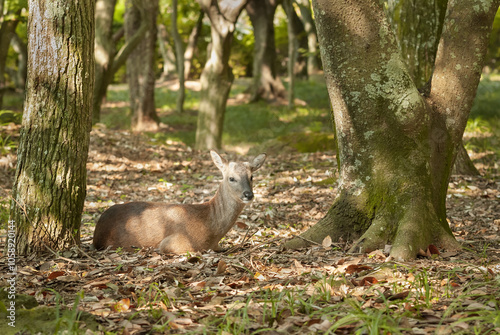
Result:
[{"x": 255, "y": 286}]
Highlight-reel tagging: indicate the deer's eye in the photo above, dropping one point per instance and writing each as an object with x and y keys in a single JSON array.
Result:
[{"x": 232, "y": 180}]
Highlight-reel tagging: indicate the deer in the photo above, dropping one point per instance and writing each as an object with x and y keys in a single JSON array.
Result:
[{"x": 181, "y": 228}]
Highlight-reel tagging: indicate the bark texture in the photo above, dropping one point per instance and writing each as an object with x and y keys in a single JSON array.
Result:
[
  {"x": 50, "y": 182},
  {"x": 396, "y": 147},
  {"x": 266, "y": 83},
  {"x": 217, "y": 76},
  {"x": 141, "y": 65}
]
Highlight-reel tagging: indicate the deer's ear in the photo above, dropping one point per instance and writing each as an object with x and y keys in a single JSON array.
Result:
[
  {"x": 218, "y": 160},
  {"x": 257, "y": 162}
]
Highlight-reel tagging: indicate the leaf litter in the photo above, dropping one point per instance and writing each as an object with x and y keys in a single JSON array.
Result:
[{"x": 254, "y": 285}]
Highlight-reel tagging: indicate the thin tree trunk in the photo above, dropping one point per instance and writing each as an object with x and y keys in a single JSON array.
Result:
[
  {"x": 140, "y": 65},
  {"x": 301, "y": 40},
  {"x": 312, "y": 38},
  {"x": 179, "y": 52},
  {"x": 22, "y": 61},
  {"x": 266, "y": 83},
  {"x": 217, "y": 76},
  {"x": 395, "y": 147},
  {"x": 108, "y": 60},
  {"x": 167, "y": 54},
  {"x": 104, "y": 53},
  {"x": 191, "y": 45},
  {"x": 292, "y": 51},
  {"x": 50, "y": 182},
  {"x": 7, "y": 30}
]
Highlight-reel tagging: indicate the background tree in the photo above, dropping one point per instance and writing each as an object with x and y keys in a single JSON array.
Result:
[
  {"x": 312, "y": 39},
  {"x": 107, "y": 59},
  {"x": 7, "y": 30},
  {"x": 217, "y": 76},
  {"x": 141, "y": 64},
  {"x": 191, "y": 45},
  {"x": 265, "y": 81},
  {"x": 292, "y": 50},
  {"x": 396, "y": 147},
  {"x": 179, "y": 54},
  {"x": 50, "y": 182}
]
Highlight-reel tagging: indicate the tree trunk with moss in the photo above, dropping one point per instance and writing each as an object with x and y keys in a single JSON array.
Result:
[
  {"x": 141, "y": 64},
  {"x": 50, "y": 182},
  {"x": 217, "y": 76},
  {"x": 396, "y": 147}
]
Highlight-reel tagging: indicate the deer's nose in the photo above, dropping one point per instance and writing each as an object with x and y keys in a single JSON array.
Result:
[{"x": 248, "y": 195}]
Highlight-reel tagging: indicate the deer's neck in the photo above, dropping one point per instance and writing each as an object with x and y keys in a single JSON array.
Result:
[{"x": 224, "y": 210}]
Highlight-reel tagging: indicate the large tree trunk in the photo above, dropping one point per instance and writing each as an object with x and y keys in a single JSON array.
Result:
[
  {"x": 179, "y": 53},
  {"x": 141, "y": 65},
  {"x": 50, "y": 182},
  {"x": 108, "y": 61},
  {"x": 266, "y": 84},
  {"x": 396, "y": 147},
  {"x": 217, "y": 76}
]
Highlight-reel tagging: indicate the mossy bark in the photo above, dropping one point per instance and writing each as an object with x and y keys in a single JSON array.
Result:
[
  {"x": 217, "y": 76},
  {"x": 396, "y": 147},
  {"x": 50, "y": 182}
]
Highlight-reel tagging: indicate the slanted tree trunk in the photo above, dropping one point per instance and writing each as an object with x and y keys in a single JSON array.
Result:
[
  {"x": 312, "y": 38},
  {"x": 191, "y": 45},
  {"x": 266, "y": 83},
  {"x": 141, "y": 65},
  {"x": 217, "y": 76},
  {"x": 50, "y": 182},
  {"x": 107, "y": 59},
  {"x": 396, "y": 147},
  {"x": 179, "y": 53}
]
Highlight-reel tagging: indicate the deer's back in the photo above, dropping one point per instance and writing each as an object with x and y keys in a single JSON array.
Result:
[{"x": 145, "y": 224}]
